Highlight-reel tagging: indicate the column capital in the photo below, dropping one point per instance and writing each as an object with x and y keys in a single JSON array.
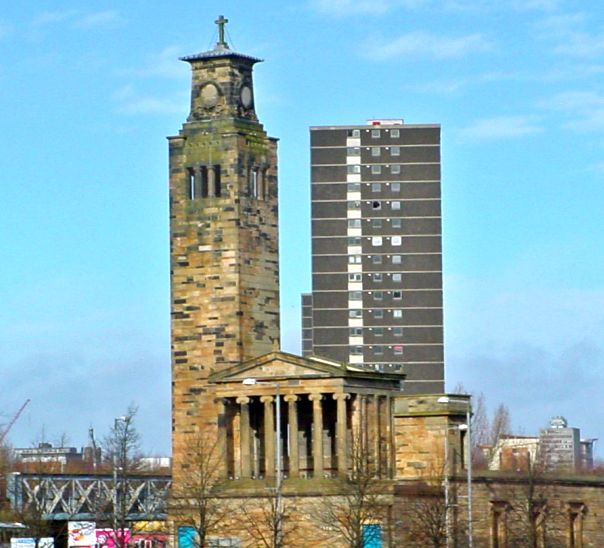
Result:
[
  {"x": 290, "y": 398},
  {"x": 343, "y": 396},
  {"x": 266, "y": 399},
  {"x": 315, "y": 397},
  {"x": 243, "y": 400}
]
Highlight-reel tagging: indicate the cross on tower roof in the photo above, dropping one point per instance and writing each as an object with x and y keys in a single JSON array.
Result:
[{"x": 221, "y": 22}]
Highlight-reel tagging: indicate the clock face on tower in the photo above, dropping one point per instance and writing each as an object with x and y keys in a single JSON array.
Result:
[
  {"x": 209, "y": 95},
  {"x": 245, "y": 95}
]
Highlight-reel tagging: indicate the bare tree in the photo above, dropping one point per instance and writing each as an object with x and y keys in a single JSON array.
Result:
[
  {"x": 195, "y": 499},
  {"x": 426, "y": 519},
  {"x": 269, "y": 523},
  {"x": 122, "y": 453},
  {"x": 354, "y": 512}
]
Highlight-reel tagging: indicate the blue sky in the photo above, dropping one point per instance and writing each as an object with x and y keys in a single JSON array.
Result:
[{"x": 89, "y": 91}]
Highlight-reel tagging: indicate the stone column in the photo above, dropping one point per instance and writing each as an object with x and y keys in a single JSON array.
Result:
[
  {"x": 211, "y": 181},
  {"x": 221, "y": 404},
  {"x": 375, "y": 434},
  {"x": 269, "y": 436},
  {"x": 245, "y": 460},
  {"x": 341, "y": 433},
  {"x": 317, "y": 437},
  {"x": 292, "y": 420}
]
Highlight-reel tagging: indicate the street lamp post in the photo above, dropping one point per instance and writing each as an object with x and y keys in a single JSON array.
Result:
[
  {"x": 118, "y": 464},
  {"x": 467, "y": 403},
  {"x": 278, "y": 458}
]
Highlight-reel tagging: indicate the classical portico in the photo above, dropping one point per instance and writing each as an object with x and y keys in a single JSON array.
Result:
[{"x": 327, "y": 411}]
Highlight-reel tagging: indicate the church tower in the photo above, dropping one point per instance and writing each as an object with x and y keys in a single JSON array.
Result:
[{"x": 223, "y": 234}]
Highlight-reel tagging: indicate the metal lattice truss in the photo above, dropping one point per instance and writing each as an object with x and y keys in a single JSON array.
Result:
[{"x": 61, "y": 497}]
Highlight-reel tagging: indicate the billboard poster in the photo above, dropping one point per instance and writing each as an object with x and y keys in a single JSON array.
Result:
[
  {"x": 44, "y": 542},
  {"x": 106, "y": 538},
  {"x": 81, "y": 533}
]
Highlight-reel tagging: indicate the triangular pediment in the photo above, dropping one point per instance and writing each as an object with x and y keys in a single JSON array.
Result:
[{"x": 282, "y": 365}]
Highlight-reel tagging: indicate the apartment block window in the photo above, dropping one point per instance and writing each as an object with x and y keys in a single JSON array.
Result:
[
  {"x": 378, "y": 295},
  {"x": 375, "y": 133},
  {"x": 396, "y": 240},
  {"x": 378, "y": 314},
  {"x": 354, "y": 240},
  {"x": 395, "y": 187},
  {"x": 354, "y": 277},
  {"x": 376, "y": 241},
  {"x": 353, "y": 187},
  {"x": 356, "y": 332},
  {"x": 376, "y": 204},
  {"x": 355, "y": 313},
  {"x": 355, "y": 295},
  {"x": 397, "y": 223},
  {"x": 398, "y": 350},
  {"x": 353, "y": 151},
  {"x": 356, "y": 133},
  {"x": 378, "y": 277},
  {"x": 395, "y": 169},
  {"x": 396, "y": 259},
  {"x": 397, "y": 277},
  {"x": 397, "y": 331},
  {"x": 376, "y": 259},
  {"x": 355, "y": 204},
  {"x": 354, "y": 169},
  {"x": 395, "y": 133},
  {"x": 396, "y": 205},
  {"x": 375, "y": 151},
  {"x": 354, "y": 259},
  {"x": 395, "y": 151},
  {"x": 378, "y": 331},
  {"x": 397, "y": 313},
  {"x": 376, "y": 223},
  {"x": 376, "y": 187},
  {"x": 354, "y": 223},
  {"x": 356, "y": 350},
  {"x": 397, "y": 295},
  {"x": 376, "y": 170},
  {"x": 378, "y": 349}
]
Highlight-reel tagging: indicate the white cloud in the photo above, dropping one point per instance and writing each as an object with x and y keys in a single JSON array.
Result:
[
  {"x": 342, "y": 8},
  {"x": 130, "y": 102},
  {"x": 585, "y": 109},
  {"x": 500, "y": 127},
  {"x": 569, "y": 37},
  {"x": 98, "y": 19},
  {"x": 429, "y": 45},
  {"x": 52, "y": 17},
  {"x": 78, "y": 19},
  {"x": 438, "y": 87},
  {"x": 163, "y": 65}
]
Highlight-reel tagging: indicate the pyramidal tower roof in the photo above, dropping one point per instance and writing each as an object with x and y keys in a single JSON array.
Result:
[{"x": 221, "y": 49}]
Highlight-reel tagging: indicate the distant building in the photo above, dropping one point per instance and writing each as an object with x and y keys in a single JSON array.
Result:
[
  {"x": 560, "y": 446},
  {"x": 512, "y": 453}
]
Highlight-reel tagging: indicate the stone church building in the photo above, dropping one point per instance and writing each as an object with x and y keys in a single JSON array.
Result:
[{"x": 290, "y": 426}]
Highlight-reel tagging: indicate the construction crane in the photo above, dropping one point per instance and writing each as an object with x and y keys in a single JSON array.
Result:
[{"x": 13, "y": 421}]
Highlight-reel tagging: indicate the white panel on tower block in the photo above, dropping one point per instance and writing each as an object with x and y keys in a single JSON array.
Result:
[
  {"x": 355, "y": 322},
  {"x": 355, "y": 268},
  {"x": 350, "y": 142},
  {"x": 352, "y": 358},
  {"x": 353, "y": 177}
]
